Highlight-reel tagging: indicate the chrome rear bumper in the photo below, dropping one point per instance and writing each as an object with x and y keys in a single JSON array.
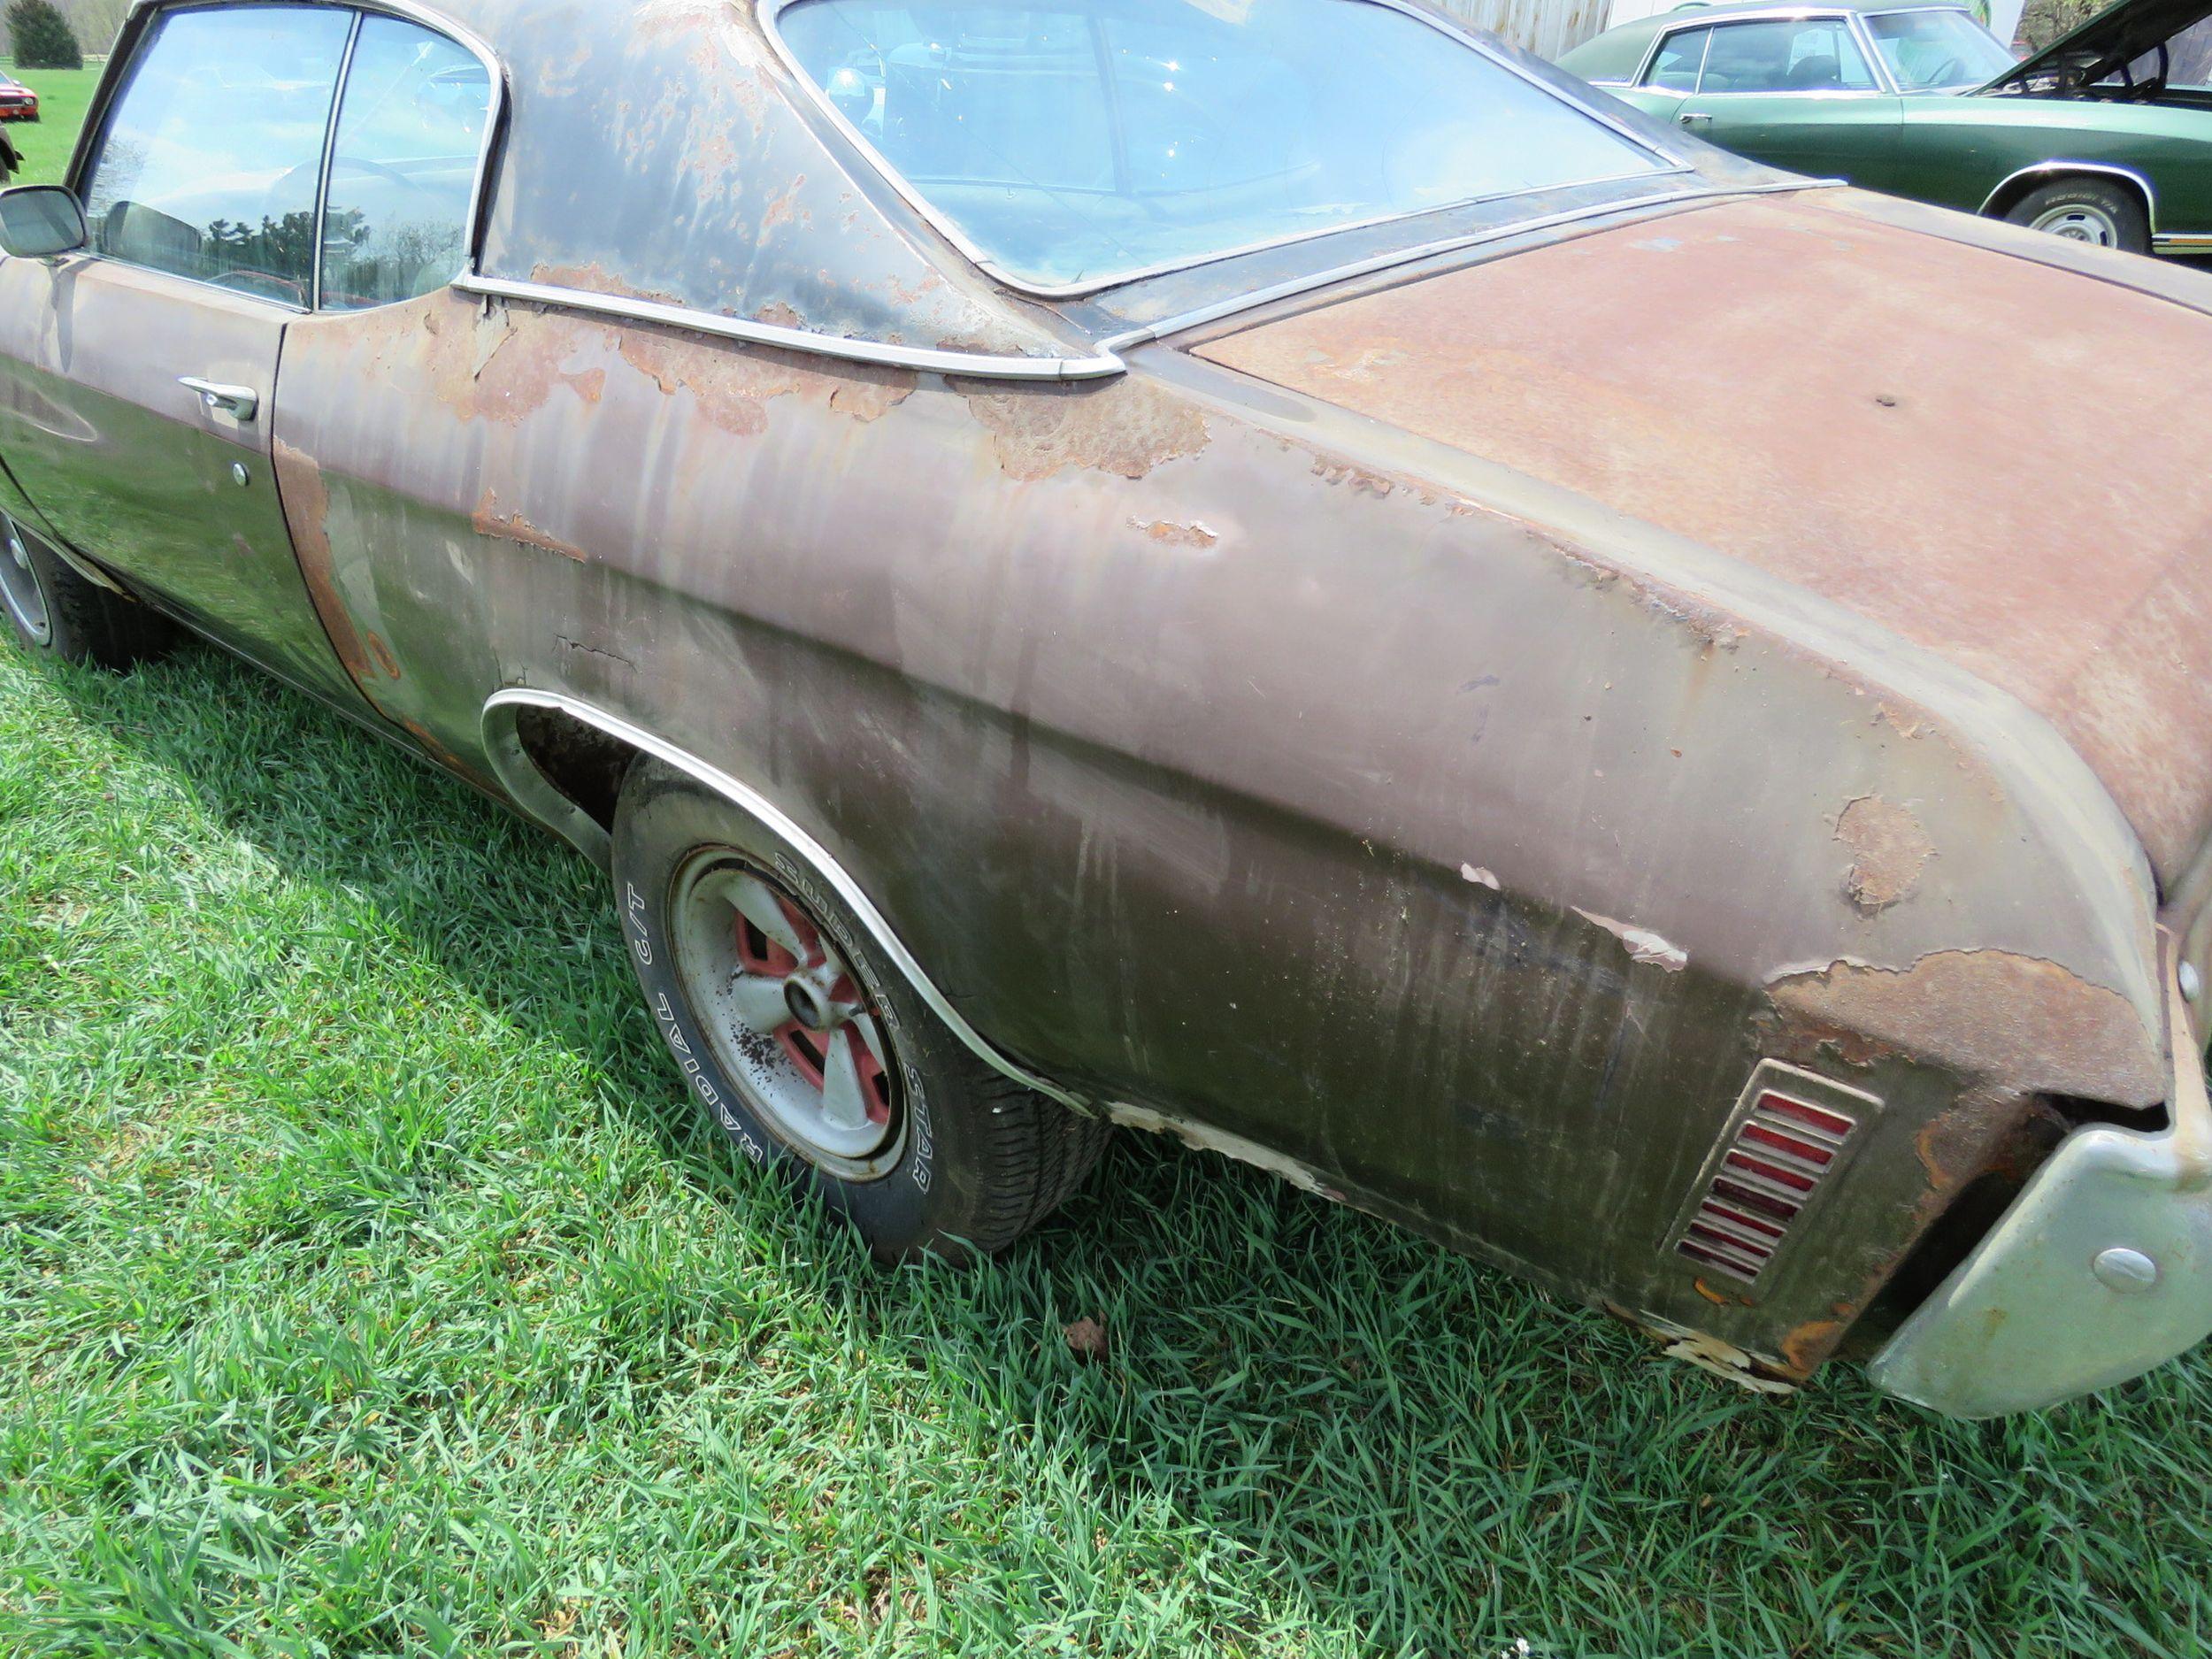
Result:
[{"x": 2101, "y": 1269}]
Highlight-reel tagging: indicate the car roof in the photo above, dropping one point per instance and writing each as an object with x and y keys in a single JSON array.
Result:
[{"x": 1618, "y": 52}]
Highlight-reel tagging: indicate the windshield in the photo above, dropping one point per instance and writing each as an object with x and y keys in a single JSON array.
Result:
[
  {"x": 1074, "y": 146},
  {"x": 1930, "y": 49}
]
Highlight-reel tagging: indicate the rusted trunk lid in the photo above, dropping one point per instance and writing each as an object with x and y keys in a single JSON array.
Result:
[{"x": 2004, "y": 463}]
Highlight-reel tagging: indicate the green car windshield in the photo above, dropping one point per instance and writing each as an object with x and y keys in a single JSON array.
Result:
[
  {"x": 1073, "y": 145},
  {"x": 1930, "y": 51}
]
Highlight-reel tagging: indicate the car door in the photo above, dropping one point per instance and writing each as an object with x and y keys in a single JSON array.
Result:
[
  {"x": 138, "y": 378},
  {"x": 1669, "y": 74},
  {"x": 1798, "y": 92}
]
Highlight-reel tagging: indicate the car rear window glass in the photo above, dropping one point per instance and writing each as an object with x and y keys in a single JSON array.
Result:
[
  {"x": 211, "y": 152},
  {"x": 1788, "y": 55},
  {"x": 1072, "y": 147},
  {"x": 1680, "y": 57},
  {"x": 403, "y": 169}
]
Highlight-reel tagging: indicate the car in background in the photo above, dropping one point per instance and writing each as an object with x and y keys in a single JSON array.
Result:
[
  {"x": 17, "y": 102},
  {"x": 2103, "y": 137}
]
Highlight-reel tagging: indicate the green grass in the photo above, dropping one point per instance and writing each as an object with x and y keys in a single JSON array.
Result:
[
  {"x": 45, "y": 144},
  {"x": 368, "y": 1286}
]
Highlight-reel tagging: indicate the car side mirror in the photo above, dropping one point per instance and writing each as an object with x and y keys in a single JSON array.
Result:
[{"x": 39, "y": 220}]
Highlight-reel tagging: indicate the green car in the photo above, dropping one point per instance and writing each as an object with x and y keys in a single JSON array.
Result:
[{"x": 2104, "y": 136}]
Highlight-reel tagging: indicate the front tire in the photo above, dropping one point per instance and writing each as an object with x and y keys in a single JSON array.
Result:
[
  {"x": 2094, "y": 211},
  {"x": 56, "y": 614},
  {"x": 811, "y": 1051}
]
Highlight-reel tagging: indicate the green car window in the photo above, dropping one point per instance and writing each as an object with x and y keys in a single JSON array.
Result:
[
  {"x": 1931, "y": 50},
  {"x": 1680, "y": 57},
  {"x": 1785, "y": 55}
]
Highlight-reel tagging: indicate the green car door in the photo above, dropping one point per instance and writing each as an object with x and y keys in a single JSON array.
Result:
[{"x": 1792, "y": 92}]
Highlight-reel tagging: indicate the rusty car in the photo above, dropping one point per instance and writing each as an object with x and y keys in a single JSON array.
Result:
[{"x": 1277, "y": 572}]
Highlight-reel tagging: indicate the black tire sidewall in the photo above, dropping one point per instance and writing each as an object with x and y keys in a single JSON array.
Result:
[
  {"x": 2115, "y": 201},
  {"x": 929, "y": 1200}
]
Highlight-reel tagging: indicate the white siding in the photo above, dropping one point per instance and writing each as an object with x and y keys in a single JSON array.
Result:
[{"x": 1546, "y": 28}]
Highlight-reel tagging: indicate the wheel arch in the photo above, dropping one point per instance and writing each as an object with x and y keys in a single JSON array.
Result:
[
  {"x": 562, "y": 760},
  {"x": 2016, "y": 185}
]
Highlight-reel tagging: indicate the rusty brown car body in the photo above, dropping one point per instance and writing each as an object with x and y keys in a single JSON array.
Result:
[{"x": 1571, "y": 721}]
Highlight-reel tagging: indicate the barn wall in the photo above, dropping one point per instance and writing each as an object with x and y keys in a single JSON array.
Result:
[{"x": 1546, "y": 28}]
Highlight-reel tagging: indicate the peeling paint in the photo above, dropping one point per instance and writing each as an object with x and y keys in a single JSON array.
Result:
[
  {"x": 1125, "y": 427},
  {"x": 1889, "y": 850},
  {"x": 1206, "y": 1138},
  {"x": 513, "y": 526},
  {"x": 1723, "y": 1360},
  {"x": 1987, "y": 1014},
  {"x": 1480, "y": 877},
  {"x": 1643, "y": 944},
  {"x": 1189, "y": 535}
]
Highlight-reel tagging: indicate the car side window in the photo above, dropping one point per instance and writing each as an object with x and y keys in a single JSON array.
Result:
[
  {"x": 209, "y": 160},
  {"x": 402, "y": 172},
  {"x": 1680, "y": 57},
  {"x": 1785, "y": 55}
]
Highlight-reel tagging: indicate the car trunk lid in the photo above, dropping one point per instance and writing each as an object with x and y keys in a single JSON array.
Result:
[{"x": 1997, "y": 460}]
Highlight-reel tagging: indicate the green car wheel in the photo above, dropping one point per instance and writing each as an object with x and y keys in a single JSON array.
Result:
[{"x": 2085, "y": 209}]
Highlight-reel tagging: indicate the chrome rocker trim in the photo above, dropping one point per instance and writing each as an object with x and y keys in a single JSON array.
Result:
[
  {"x": 537, "y": 795},
  {"x": 2102, "y": 1268}
]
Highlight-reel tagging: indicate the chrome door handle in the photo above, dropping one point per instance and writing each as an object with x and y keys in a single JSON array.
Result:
[
  {"x": 1694, "y": 118},
  {"x": 241, "y": 401}
]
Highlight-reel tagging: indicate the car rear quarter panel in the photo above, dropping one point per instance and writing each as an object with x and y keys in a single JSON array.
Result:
[
  {"x": 1958, "y": 150},
  {"x": 1218, "y": 754}
]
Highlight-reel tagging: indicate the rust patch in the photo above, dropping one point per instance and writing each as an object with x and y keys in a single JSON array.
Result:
[
  {"x": 2016, "y": 1020},
  {"x": 306, "y": 499},
  {"x": 511, "y": 369},
  {"x": 1888, "y": 852},
  {"x": 513, "y": 526},
  {"x": 1544, "y": 364},
  {"x": 382, "y": 652},
  {"x": 734, "y": 386},
  {"x": 1805, "y": 1347},
  {"x": 1358, "y": 478},
  {"x": 1189, "y": 535},
  {"x": 784, "y": 210},
  {"x": 1125, "y": 427}
]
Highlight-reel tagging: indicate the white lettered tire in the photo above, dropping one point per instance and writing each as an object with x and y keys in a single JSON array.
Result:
[{"x": 810, "y": 1050}]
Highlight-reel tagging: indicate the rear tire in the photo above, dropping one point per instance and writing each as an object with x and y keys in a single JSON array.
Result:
[
  {"x": 2098, "y": 211},
  {"x": 56, "y": 614},
  {"x": 811, "y": 1050}
]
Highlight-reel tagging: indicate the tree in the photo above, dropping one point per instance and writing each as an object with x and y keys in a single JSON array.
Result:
[{"x": 42, "y": 37}]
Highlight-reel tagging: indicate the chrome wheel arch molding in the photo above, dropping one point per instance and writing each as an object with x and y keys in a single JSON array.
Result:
[{"x": 541, "y": 799}]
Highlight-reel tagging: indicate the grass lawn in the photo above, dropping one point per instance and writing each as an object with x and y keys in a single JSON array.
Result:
[
  {"x": 368, "y": 1286},
  {"x": 45, "y": 144}
]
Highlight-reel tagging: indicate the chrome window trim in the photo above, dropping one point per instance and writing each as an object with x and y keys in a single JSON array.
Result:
[
  {"x": 767, "y": 11},
  {"x": 536, "y": 795},
  {"x": 2062, "y": 164},
  {"x": 967, "y": 365},
  {"x": 94, "y": 129},
  {"x": 1712, "y": 26},
  {"x": 330, "y": 154},
  {"x": 1200, "y": 316}
]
